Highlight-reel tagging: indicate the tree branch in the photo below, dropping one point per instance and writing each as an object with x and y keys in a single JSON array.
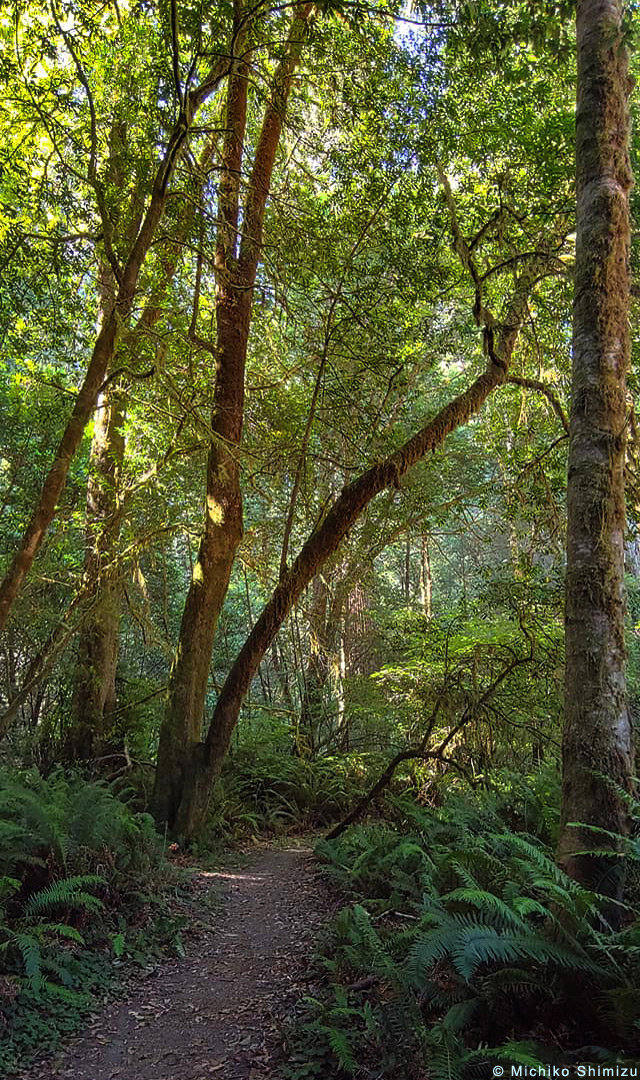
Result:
[{"x": 542, "y": 388}]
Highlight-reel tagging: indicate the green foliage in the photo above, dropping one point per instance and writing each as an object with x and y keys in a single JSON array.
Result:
[
  {"x": 82, "y": 885},
  {"x": 466, "y": 947},
  {"x": 68, "y": 824},
  {"x": 364, "y": 323},
  {"x": 265, "y": 791},
  {"x": 35, "y": 1020},
  {"x": 447, "y": 666},
  {"x": 35, "y": 941}
]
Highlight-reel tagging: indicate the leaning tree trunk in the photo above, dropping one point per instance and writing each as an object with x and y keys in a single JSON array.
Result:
[
  {"x": 597, "y": 746},
  {"x": 207, "y": 757}
]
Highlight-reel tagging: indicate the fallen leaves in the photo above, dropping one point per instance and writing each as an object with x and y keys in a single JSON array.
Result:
[{"x": 219, "y": 1012}]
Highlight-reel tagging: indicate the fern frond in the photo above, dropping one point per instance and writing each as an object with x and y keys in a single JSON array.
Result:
[
  {"x": 486, "y": 902},
  {"x": 519, "y": 1053},
  {"x": 31, "y": 953},
  {"x": 59, "y": 930},
  {"x": 67, "y": 892},
  {"x": 341, "y": 1047}
]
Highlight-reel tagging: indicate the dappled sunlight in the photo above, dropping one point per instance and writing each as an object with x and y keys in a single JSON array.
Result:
[
  {"x": 234, "y": 875},
  {"x": 214, "y": 511},
  {"x": 318, "y": 470}
]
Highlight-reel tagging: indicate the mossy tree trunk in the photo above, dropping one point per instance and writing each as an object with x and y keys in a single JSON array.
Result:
[
  {"x": 94, "y": 692},
  {"x": 597, "y": 746},
  {"x": 316, "y": 673},
  {"x": 238, "y": 247},
  {"x": 323, "y": 668}
]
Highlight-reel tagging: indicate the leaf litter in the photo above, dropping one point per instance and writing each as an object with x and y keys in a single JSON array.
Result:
[{"x": 220, "y": 1011}]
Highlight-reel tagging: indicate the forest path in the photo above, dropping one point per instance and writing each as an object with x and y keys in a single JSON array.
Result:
[{"x": 215, "y": 1014}]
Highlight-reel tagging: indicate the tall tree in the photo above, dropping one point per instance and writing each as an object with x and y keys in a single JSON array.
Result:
[
  {"x": 126, "y": 260},
  {"x": 205, "y": 758},
  {"x": 527, "y": 255},
  {"x": 237, "y": 254},
  {"x": 597, "y": 745},
  {"x": 94, "y": 691}
]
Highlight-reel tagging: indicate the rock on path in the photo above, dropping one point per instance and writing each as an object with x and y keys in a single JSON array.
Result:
[{"x": 215, "y": 1014}]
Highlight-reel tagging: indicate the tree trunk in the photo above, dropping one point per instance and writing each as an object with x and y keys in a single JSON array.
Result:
[
  {"x": 45, "y": 508},
  {"x": 316, "y": 675},
  {"x": 236, "y": 263},
  {"x": 95, "y": 680},
  {"x": 426, "y": 580},
  {"x": 342, "y": 731},
  {"x": 94, "y": 692},
  {"x": 115, "y": 317},
  {"x": 406, "y": 573},
  {"x": 182, "y": 726},
  {"x": 597, "y": 747}
]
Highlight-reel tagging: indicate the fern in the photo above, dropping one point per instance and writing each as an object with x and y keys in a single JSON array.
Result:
[
  {"x": 488, "y": 902},
  {"x": 447, "y": 1054},
  {"x": 32, "y": 938},
  {"x": 499, "y": 942},
  {"x": 485, "y": 945},
  {"x": 341, "y": 1047},
  {"x": 9, "y": 886},
  {"x": 516, "y": 1053},
  {"x": 30, "y": 949},
  {"x": 68, "y": 892}
]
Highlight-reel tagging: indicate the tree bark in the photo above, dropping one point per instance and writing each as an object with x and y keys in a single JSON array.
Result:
[
  {"x": 597, "y": 747},
  {"x": 45, "y": 508},
  {"x": 316, "y": 674},
  {"x": 426, "y": 579},
  {"x": 94, "y": 693}
]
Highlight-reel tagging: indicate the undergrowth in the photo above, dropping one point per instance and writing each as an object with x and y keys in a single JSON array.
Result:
[
  {"x": 266, "y": 792},
  {"x": 83, "y": 883},
  {"x": 465, "y": 948}
]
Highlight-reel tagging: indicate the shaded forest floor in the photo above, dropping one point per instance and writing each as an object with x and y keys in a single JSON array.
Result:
[{"x": 219, "y": 1012}]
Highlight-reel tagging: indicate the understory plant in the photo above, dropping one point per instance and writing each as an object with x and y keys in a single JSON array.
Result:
[
  {"x": 82, "y": 887},
  {"x": 266, "y": 791},
  {"x": 465, "y": 947}
]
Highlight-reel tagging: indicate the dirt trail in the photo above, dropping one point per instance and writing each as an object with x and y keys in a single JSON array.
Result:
[{"x": 215, "y": 1014}]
